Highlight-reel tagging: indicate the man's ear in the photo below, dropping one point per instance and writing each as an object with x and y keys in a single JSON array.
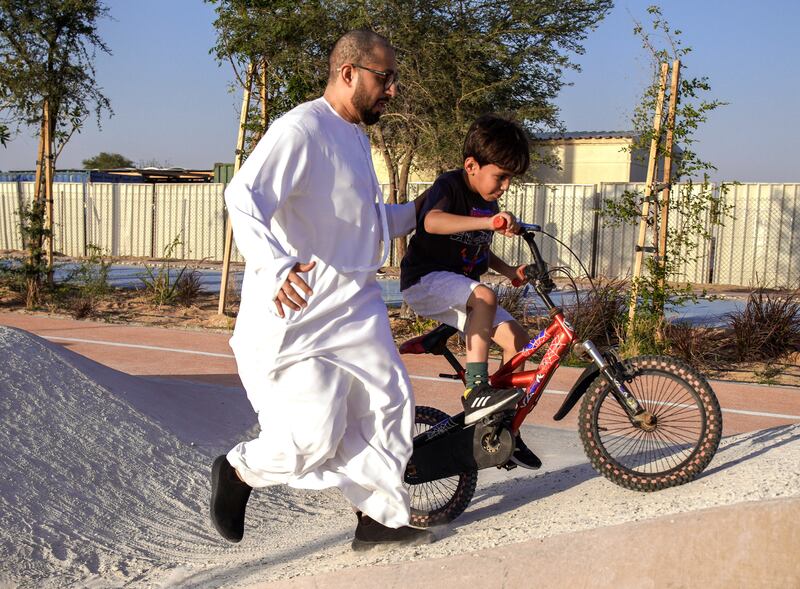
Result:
[{"x": 347, "y": 71}]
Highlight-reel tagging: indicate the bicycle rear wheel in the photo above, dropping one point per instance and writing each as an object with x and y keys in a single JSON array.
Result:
[
  {"x": 440, "y": 501},
  {"x": 669, "y": 452}
]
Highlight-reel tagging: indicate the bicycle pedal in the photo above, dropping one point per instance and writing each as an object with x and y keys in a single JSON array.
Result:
[
  {"x": 450, "y": 376},
  {"x": 508, "y": 465}
]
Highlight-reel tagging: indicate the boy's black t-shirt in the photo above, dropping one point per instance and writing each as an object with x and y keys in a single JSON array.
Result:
[{"x": 463, "y": 253}]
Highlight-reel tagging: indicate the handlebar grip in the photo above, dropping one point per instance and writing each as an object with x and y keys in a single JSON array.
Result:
[
  {"x": 517, "y": 283},
  {"x": 499, "y": 223}
]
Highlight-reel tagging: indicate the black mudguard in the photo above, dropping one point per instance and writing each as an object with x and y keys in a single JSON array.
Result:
[
  {"x": 578, "y": 389},
  {"x": 456, "y": 451}
]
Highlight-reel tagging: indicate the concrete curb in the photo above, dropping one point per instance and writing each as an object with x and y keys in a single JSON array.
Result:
[{"x": 745, "y": 545}]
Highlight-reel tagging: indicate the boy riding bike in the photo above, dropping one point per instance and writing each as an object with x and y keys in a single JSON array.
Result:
[{"x": 450, "y": 251}]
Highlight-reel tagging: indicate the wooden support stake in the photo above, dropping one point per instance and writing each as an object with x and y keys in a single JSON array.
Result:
[
  {"x": 263, "y": 97},
  {"x": 648, "y": 193},
  {"x": 667, "y": 174},
  {"x": 237, "y": 162},
  {"x": 48, "y": 186}
]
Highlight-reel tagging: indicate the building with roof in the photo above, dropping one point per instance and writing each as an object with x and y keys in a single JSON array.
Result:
[
  {"x": 589, "y": 157},
  {"x": 579, "y": 157}
]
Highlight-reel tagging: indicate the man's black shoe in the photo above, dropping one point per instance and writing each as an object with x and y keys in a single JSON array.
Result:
[
  {"x": 229, "y": 497},
  {"x": 370, "y": 534},
  {"x": 524, "y": 457},
  {"x": 482, "y": 400}
]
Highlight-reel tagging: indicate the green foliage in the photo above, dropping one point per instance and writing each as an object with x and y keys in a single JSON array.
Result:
[
  {"x": 456, "y": 60},
  {"x": 421, "y": 325},
  {"x": 34, "y": 268},
  {"x": 91, "y": 274},
  {"x": 693, "y": 207},
  {"x": 291, "y": 39},
  {"x": 107, "y": 161},
  {"x": 168, "y": 288},
  {"x": 47, "y": 49},
  {"x": 5, "y": 135}
]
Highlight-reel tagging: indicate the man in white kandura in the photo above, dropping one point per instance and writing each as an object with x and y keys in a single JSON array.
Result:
[{"x": 312, "y": 339}]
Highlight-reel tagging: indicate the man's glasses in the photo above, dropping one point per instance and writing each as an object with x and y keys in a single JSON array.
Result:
[{"x": 389, "y": 77}]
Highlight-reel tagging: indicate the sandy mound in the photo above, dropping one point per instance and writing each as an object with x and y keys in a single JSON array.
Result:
[
  {"x": 106, "y": 475},
  {"x": 106, "y": 485}
]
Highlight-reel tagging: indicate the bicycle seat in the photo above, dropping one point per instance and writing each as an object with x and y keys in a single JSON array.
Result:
[{"x": 433, "y": 342}]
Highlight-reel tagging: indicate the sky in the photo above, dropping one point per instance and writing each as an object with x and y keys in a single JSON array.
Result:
[{"x": 173, "y": 103}]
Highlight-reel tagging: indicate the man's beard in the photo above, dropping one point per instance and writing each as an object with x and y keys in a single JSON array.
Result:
[{"x": 363, "y": 107}]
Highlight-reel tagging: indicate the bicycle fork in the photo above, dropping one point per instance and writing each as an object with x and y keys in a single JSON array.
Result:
[{"x": 610, "y": 367}]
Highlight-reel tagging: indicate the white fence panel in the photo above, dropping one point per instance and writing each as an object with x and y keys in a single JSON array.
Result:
[
  {"x": 616, "y": 242},
  {"x": 100, "y": 216},
  {"x": 568, "y": 212},
  {"x": 69, "y": 232},
  {"x": 760, "y": 244},
  {"x": 10, "y": 235},
  {"x": 525, "y": 201},
  {"x": 192, "y": 214},
  {"x": 134, "y": 220}
]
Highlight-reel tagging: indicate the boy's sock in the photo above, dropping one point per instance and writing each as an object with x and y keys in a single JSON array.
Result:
[
  {"x": 477, "y": 373},
  {"x": 480, "y": 399}
]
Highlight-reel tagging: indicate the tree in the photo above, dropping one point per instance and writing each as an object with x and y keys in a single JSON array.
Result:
[
  {"x": 285, "y": 42},
  {"x": 456, "y": 59},
  {"x": 47, "y": 81},
  {"x": 692, "y": 209},
  {"x": 459, "y": 60},
  {"x": 107, "y": 161}
]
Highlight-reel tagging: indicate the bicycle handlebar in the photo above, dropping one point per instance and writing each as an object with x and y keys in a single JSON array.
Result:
[{"x": 500, "y": 223}]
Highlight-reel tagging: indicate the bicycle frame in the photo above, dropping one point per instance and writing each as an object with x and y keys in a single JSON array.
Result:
[
  {"x": 561, "y": 336},
  {"x": 535, "y": 381}
]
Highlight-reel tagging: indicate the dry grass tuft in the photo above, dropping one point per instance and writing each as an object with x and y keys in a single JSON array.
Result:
[{"x": 768, "y": 328}]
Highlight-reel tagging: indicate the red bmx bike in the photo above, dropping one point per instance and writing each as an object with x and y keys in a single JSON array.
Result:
[{"x": 646, "y": 423}]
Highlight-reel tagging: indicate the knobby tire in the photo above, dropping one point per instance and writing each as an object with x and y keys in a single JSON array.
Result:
[{"x": 685, "y": 438}]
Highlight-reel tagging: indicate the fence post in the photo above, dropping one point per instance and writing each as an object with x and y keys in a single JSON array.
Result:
[{"x": 596, "y": 207}]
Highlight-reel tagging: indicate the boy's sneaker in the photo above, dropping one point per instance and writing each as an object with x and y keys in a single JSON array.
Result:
[
  {"x": 482, "y": 400},
  {"x": 229, "y": 497},
  {"x": 524, "y": 457},
  {"x": 370, "y": 534}
]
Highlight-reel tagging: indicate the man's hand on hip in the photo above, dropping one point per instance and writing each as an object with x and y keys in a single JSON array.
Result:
[{"x": 289, "y": 295}]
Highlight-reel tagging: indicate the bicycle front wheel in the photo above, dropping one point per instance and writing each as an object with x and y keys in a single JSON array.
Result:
[
  {"x": 671, "y": 449},
  {"x": 440, "y": 501}
]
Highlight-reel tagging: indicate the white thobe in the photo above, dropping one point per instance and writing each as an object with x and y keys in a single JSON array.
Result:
[{"x": 332, "y": 396}]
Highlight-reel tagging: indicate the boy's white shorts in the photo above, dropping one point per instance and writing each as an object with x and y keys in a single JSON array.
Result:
[{"x": 443, "y": 296}]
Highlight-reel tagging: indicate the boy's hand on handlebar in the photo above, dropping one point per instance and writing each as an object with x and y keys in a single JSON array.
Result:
[
  {"x": 288, "y": 294},
  {"x": 519, "y": 278},
  {"x": 505, "y": 223}
]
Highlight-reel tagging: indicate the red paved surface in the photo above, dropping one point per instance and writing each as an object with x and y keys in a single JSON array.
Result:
[{"x": 205, "y": 356}]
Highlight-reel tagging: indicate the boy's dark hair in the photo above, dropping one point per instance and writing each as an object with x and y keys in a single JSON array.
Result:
[{"x": 495, "y": 140}]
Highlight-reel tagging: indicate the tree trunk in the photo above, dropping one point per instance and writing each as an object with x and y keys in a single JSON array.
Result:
[
  {"x": 48, "y": 191},
  {"x": 402, "y": 194},
  {"x": 391, "y": 168}
]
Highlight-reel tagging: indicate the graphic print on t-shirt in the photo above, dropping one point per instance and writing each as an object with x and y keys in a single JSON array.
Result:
[
  {"x": 475, "y": 237},
  {"x": 465, "y": 253},
  {"x": 481, "y": 239}
]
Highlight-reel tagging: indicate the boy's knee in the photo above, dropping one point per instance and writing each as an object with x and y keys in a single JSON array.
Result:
[{"x": 484, "y": 295}]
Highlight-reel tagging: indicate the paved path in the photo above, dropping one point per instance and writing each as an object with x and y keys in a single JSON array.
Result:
[
  {"x": 204, "y": 355},
  {"x": 747, "y": 544}
]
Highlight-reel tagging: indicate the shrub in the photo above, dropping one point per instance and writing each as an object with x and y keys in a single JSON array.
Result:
[
  {"x": 599, "y": 313},
  {"x": 166, "y": 287},
  {"x": 188, "y": 287},
  {"x": 768, "y": 327},
  {"x": 702, "y": 347}
]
